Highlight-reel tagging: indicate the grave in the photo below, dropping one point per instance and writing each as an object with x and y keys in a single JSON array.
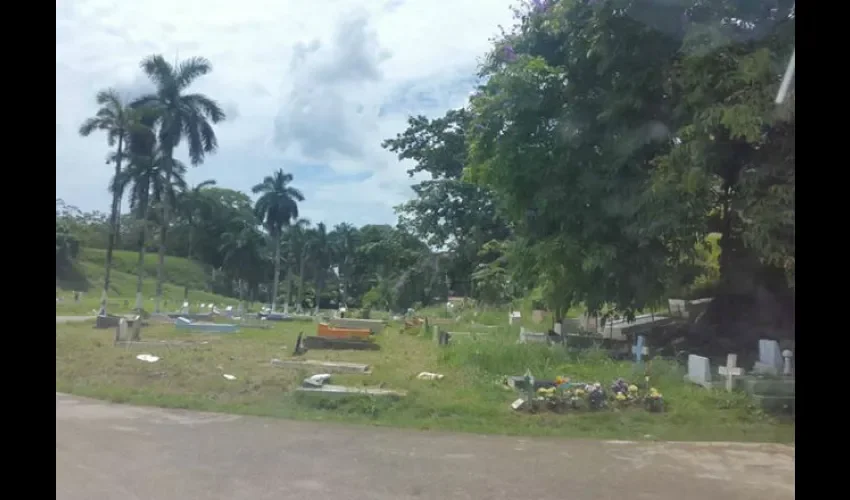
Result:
[
  {"x": 514, "y": 318},
  {"x": 186, "y": 324},
  {"x": 526, "y": 337},
  {"x": 639, "y": 350},
  {"x": 620, "y": 329},
  {"x": 373, "y": 325},
  {"x": 699, "y": 371},
  {"x": 770, "y": 358},
  {"x": 567, "y": 326},
  {"x": 326, "y": 331},
  {"x": 320, "y": 343},
  {"x": 730, "y": 371},
  {"x": 325, "y": 366},
  {"x": 537, "y": 316},
  {"x": 341, "y": 390},
  {"x": 687, "y": 309}
]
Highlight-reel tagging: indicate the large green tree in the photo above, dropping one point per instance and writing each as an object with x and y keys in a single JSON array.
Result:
[
  {"x": 276, "y": 208},
  {"x": 180, "y": 116},
  {"x": 117, "y": 119}
]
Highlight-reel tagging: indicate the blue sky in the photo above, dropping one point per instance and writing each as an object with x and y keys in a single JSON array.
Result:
[{"x": 311, "y": 87}]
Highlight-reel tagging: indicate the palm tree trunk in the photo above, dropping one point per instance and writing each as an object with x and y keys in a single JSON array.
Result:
[
  {"x": 141, "y": 263},
  {"x": 288, "y": 289},
  {"x": 301, "y": 284},
  {"x": 163, "y": 232},
  {"x": 320, "y": 278},
  {"x": 276, "y": 270},
  {"x": 113, "y": 229}
]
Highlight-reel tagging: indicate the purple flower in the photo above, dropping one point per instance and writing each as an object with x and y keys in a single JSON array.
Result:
[{"x": 509, "y": 53}]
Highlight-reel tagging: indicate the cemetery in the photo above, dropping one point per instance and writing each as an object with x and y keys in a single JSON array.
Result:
[{"x": 578, "y": 378}]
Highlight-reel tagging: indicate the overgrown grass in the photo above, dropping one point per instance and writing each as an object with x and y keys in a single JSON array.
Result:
[
  {"x": 178, "y": 271},
  {"x": 470, "y": 398},
  {"x": 123, "y": 292}
]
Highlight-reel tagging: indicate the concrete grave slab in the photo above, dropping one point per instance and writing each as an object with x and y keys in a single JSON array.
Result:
[{"x": 325, "y": 366}]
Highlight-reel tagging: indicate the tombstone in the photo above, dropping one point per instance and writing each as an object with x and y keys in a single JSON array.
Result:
[
  {"x": 514, "y": 318},
  {"x": 526, "y": 337},
  {"x": 787, "y": 354},
  {"x": 639, "y": 349},
  {"x": 730, "y": 370},
  {"x": 136, "y": 329},
  {"x": 185, "y": 308},
  {"x": 558, "y": 328},
  {"x": 770, "y": 358},
  {"x": 228, "y": 311},
  {"x": 122, "y": 332},
  {"x": 537, "y": 316},
  {"x": 699, "y": 370}
]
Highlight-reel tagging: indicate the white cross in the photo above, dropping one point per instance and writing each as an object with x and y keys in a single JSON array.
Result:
[{"x": 730, "y": 370}]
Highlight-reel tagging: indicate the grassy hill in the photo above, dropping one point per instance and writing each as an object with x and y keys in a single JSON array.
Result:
[{"x": 87, "y": 276}]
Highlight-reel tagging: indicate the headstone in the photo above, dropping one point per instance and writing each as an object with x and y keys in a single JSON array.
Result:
[
  {"x": 228, "y": 311},
  {"x": 526, "y": 337},
  {"x": 185, "y": 308},
  {"x": 537, "y": 316},
  {"x": 730, "y": 370},
  {"x": 558, "y": 329},
  {"x": 786, "y": 368},
  {"x": 699, "y": 370},
  {"x": 122, "y": 333},
  {"x": 639, "y": 349},
  {"x": 770, "y": 358},
  {"x": 136, "y": 329},
  {"x": 514, "y": 318}
]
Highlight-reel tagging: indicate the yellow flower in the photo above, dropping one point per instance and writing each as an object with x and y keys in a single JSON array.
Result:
[
  {"x": 620, "y": 396},
  {"x": 579, "y": 392},
  {"x": 633, "y": 388}
]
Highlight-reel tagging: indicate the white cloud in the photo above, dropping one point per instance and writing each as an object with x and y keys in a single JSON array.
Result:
[{"x": 304, "y": 83}]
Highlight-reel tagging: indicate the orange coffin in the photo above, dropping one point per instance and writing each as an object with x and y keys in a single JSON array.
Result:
[{"x": 331, "y": 332}]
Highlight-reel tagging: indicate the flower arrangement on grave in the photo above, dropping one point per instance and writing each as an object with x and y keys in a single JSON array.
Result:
[{"x": 654, "y": 401}]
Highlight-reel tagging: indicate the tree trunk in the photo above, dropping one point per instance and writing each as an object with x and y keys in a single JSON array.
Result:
[
  {"x": 301, "y": 284},
  {"x": 141, "y": 265},
  {"x": 288, "y": 289},
  {"x": 163, "y": 232},
  {"x": 113, "y": 229},
  {"x": 276, "y": 281},
  {"x": 320, "y": 278}
]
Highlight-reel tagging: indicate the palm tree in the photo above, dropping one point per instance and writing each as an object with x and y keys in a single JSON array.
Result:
[
  {"x": 299, "y": 246},
  {"x": 275, "y": 208},
  {"x": 321, "y": 250},
  {"x": 193, "y": 204},
  {"x": 243, "y": 256},
  {"x": 118, "y": 120},
  {"x": 180, "y": 116},
  {"x": 149, "y": 182}
]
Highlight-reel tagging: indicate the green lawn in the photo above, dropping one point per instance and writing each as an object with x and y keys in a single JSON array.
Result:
[{"x": 468, "y": 399}]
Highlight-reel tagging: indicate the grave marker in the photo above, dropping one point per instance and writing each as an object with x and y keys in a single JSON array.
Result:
[
  {"x": 514, "y": 318},
  {"x": 639, "y": 349},
  {"x": 730, "y": 370},
  {"x": 699, "y": 370},
  {"x": 770, "y": 358},
  {"x": 537, "y": 316},
  {"x": 121, "y": 331},
  {"x": 786, "y": 368}
]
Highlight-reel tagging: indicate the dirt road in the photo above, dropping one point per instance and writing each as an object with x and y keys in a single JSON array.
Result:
[{"x": 106, "y": 451}]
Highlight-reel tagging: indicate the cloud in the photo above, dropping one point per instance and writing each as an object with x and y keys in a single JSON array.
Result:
[{"x": 311, "y": 90}]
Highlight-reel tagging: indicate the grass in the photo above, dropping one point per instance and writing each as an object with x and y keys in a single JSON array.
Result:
[
  {"x": 89, "y": 278},
  {"x": 179, "y": 271},
  {"x": 468, "y": 399}
]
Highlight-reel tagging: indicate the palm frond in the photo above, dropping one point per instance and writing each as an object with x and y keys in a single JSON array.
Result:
[
  {"x": 190, "y": 69},
  {"x": 159, "y": 71}
]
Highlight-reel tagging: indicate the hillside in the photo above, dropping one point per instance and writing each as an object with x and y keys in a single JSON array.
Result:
[{"x": 88, "y": 272}]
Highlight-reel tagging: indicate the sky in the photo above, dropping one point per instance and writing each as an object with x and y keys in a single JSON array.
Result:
[{"x": 311, "y": 87}]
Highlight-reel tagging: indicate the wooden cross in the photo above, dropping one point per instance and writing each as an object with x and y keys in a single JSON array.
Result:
[{"x": 730, "y": 370}]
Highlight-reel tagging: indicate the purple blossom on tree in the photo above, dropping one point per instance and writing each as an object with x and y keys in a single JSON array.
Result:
[{"x": 509, "y": 54}]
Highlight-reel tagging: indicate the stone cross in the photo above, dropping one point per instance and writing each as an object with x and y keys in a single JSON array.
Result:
[
  {"x": 639, "y": 349},
  {"x": 730, "y": 370}
]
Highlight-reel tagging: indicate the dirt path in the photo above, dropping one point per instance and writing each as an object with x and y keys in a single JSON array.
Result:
[{"x": 108, "y": 451}]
